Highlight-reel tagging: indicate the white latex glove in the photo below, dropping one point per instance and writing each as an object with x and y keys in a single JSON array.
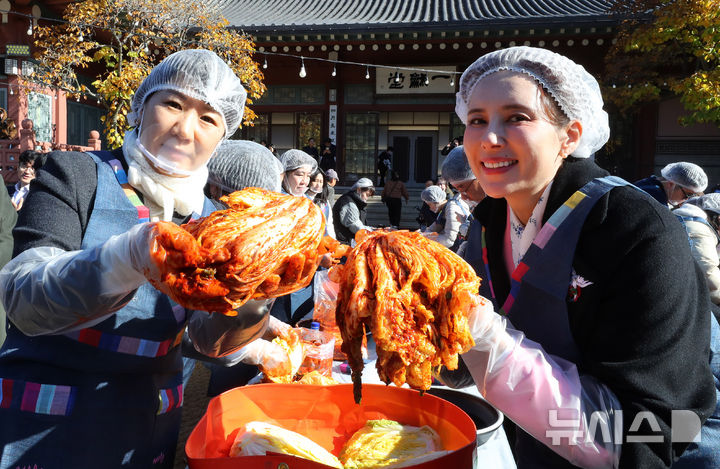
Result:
[
  {"x": 126, "y": 259},
  {"x": 277, "y": 328},
  {"x": 47, "y": 290},
  {"x": 265, "y": 354}
]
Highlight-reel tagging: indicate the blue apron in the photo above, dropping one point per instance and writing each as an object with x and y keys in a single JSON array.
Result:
[
  {"x": 106, "y": 396},
  {"x": 539, "y": 288}
]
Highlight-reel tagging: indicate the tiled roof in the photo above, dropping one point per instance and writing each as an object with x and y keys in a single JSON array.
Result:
[{"x": 365, "y": 15}]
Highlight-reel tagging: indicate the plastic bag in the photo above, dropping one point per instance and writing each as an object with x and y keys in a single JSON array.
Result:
[
  {"x": 326, "y": 292},
  {"x": 319, "y": 347}
]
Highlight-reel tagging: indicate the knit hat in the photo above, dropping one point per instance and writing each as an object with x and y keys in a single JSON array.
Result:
[{"x": 238, "y": 164}]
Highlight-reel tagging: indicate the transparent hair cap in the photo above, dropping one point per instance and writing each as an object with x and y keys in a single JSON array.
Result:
[
  {"x": 433, "y": 194},
  {"x": 362, "y": 183},
  {"x": 238, "y": 164},
  {"x": 456, "y": 167},
  {"x": 687, "y": 175},
  {"x": 710, "y": 202},
  {"x": 571, "y": 86},
  {"x": 293, "y": 159},
  {"x": 200, "y": 74}
]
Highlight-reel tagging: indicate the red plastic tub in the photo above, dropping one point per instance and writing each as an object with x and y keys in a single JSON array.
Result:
[{"x": 327, "y": 415}]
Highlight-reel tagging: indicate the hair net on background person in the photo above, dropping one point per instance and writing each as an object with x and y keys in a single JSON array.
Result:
[
  {"x": 238, "y": 164},
  {"x": 687, "y": 175},
  {"x": 708, "y": 202},
  {"x": 433, "y": 194},
  {"x": 293, "y": 159},
  {"x": 362, "y": 183},
  {"x": 199, "y": 74},
  {"x": 573, "y": 88},
  {"x": 456, "y": 167}
]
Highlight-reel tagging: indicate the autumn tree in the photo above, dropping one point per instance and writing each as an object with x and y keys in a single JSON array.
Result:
[
  {"x": 665, "y": 48},
  {"x": 118, "y": 42}
]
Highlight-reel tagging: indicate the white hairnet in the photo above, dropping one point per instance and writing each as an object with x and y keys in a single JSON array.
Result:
[
  {"x": 433, "y": 194},
  {"x": 200, "y": 74},
  {"x": 710, "y": 202},
  {"x": 238, "y": 164},
  {"x": 687, "y": 175},
  {"x": 293, "y": 159},
  {"x": 363, "y": 183},
  {"x": 573, "y": 88},
  {"x": 456, "y": 167}
]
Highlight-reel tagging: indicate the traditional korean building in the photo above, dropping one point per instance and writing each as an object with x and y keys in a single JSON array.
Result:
[
  {"x": 384, "y": 73},
  {"x": 381, "y": 73}
]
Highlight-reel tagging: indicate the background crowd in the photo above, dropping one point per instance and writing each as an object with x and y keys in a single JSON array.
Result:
[{"x": 519, "y": 198}]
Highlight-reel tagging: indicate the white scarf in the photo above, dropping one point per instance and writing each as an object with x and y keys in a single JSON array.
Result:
[
  {"x": 522, "y": 236},
  {"x": 163, "y": 195}
]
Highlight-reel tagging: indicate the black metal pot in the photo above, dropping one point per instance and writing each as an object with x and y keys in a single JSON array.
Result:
[{"x": 486, "y": 417}]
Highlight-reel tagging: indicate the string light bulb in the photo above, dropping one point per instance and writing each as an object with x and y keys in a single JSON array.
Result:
[
  {"x": 396, "y": 79},
  {"x": 452, "y": 80},
  {"x": 303, "y": 73},
  {"x": 265, "y": 63},
  {"x": 367, "y": 72},
  {"x": 11, "y": 90},
  {"x": 427, "y": 80},
  {"x": 30, "y": 29},
  {"x": 334, "y": 72}
]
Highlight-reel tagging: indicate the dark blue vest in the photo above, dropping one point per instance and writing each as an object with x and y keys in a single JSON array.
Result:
[
  {"x": 539, "y": 289},
  {"x": 105, "y": 396}
]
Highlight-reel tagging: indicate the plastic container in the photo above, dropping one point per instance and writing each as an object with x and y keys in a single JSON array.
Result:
[
  {"x": 327, "y": 415},
  {"x": 318, "y": 350}
]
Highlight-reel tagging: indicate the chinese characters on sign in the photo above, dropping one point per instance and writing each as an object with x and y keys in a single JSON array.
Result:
[
  {"x": 431, "y": 79},
  {"x": 332, "y": 125}
]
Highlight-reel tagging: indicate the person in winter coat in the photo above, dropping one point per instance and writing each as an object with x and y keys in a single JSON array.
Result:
[
  {"x": 583, "y": 323},
  {"x": 91, "y": 370},
  {"x": 392, "y": 194},
  {"x": 350, "y": 211},
  {"x": 677, "y": 183},
  {"x": 700, "y": 218},
  {"x": 451, "y": 214}
]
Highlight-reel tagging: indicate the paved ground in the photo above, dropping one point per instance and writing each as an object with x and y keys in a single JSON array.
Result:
[{"x": 195, "y": 403}]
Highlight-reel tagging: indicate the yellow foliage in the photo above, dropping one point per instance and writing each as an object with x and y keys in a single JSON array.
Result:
[
  {"x": 118, "y": 42},
  {"x": 671, "y": 50}
]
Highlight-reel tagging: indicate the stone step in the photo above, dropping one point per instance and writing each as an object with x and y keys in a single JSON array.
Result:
[{"x": 377, "y": 212}]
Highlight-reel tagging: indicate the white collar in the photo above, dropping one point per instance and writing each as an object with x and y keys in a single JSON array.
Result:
[{"x": 522, "y": 236}]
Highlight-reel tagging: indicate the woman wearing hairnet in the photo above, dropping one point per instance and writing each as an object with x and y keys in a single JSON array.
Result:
[
  {"x": 591, "y": 340},
  {"x": 298, "y": 167},
  {"x": 457, "y": 171},
  {"x": 700, "y": 216},
  {"x": 91, "y": 372},
  {"x": 451, "y": 214}
]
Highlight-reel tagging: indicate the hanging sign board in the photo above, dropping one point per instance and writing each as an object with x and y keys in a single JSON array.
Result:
[
  {"x": 398, "y": 81},
  {"x": 332, "y": 125}
]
